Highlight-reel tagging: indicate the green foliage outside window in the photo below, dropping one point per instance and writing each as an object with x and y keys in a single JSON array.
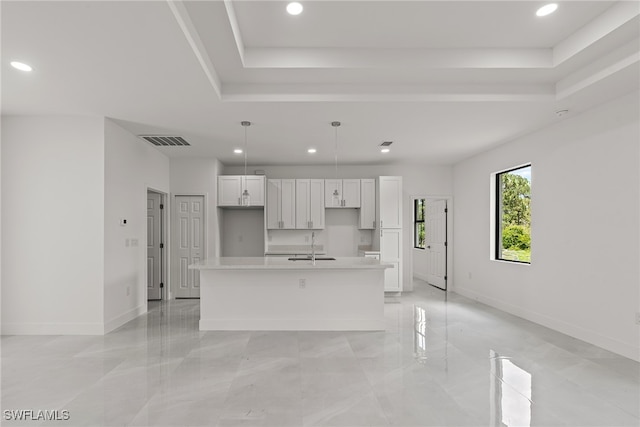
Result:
[
  {"x": 419, "y": 230},
  {"x": 515, "y": 215}
]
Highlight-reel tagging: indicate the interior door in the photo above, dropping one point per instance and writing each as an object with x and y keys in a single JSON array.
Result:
[
  {"x": 154, "y": 245},
  {"x": 189, "y": 238},
  {"x": 436, "y": 242}
]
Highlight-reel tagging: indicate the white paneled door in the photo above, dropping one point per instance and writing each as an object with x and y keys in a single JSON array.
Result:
[
  {"x": 154, "y": 246},
  {"x": 189, "y": 241},
  {"x": 436, "y": 242}
]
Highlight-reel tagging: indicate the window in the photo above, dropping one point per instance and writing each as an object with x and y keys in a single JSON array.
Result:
[
  {"x": 513, "y": 215},
  {"x": 418, "y": 224}
]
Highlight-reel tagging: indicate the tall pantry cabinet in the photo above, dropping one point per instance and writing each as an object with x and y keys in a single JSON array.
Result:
[{"x": 388, "y": 233}]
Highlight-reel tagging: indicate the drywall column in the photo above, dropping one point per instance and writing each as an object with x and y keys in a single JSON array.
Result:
[{"x": 52, "y": 221}]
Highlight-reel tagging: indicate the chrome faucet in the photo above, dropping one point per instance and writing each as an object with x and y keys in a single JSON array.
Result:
[{"x": 313, "y": 247}]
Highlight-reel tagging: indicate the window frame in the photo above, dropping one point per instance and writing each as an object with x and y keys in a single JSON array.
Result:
[
  {"x": 497, "y": 223},
  {"x": 417, "y": 221}
]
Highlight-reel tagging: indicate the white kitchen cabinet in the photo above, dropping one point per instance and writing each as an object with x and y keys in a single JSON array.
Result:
[
  {"x": 388, "y": 236},
  {"x": 230, "y": 188},
  {"x": 367, "y": 204},
  {"x": 389, "y": 200},
  {"x": 281, "y": 203},
  {"x": 310, "y": 204},
  {"x": 391, "y": 253},
  {"x": 348, "y": 190}
]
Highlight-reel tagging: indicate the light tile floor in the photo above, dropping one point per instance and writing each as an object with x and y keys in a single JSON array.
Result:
[{"x": 442, "y": 361}]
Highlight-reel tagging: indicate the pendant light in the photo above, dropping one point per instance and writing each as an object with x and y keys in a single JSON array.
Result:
[
  {"x": 246, "y": 198},
  {"x": 336, "y": 193}
]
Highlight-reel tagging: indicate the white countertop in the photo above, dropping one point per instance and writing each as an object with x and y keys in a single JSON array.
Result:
[
  {"x": 266, "y": 263},
  {"x": 293, "y": 250}
]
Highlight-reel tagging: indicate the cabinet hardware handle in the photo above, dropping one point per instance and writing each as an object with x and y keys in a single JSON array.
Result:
[
  {"x": 311, "y": 224},
  {"x": 239, "y": 202},
  {"x": 380, "y": 223}
]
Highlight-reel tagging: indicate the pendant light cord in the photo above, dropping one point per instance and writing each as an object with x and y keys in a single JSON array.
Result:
[
  {"x": 245, "y": 149},
  {"x": 336, "y": 151}
]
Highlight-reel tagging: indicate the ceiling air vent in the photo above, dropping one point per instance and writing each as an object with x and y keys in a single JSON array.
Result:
[
  {"x": 386, "y": 143},
  {"x": 165, "y": 141}
]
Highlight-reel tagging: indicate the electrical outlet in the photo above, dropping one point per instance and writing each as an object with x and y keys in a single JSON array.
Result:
[
  {"x": 638, "y": 318},
  {"x": 302, "y": 283}
]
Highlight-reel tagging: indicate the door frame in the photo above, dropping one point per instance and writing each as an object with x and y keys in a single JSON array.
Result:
[
  {"x": 205, "y": 228},
  {"x": 165, "y": 218},
  {"x": 449, "y": 222}
]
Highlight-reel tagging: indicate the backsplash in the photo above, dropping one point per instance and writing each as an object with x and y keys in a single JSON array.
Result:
[{"x": 340, "y": 237}]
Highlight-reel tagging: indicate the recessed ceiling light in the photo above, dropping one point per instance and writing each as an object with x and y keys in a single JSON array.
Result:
[
  {"x": 237, "y": 151},
  {"x": 21, "y": 66},
  {"x": 294, "y": 8},
  {"x": 311, "y": 150},
  {"x": 547, "y": 9},
  {"x": 384, "y": 150}
]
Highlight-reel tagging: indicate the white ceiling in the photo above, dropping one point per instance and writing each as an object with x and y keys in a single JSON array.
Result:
[{"x": 442, "y": 80}]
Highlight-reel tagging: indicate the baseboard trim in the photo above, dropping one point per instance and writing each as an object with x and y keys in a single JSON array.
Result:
[
  {"x": 421, "y": 276},
  {"x": 123, "y": 318},
  {"x": 574, "y": 331}
]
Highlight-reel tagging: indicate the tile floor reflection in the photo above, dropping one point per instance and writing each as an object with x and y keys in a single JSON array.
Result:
[{"x": 442, "y": 361}]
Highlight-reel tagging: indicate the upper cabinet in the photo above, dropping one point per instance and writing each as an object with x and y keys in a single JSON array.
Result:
[
  {"x": 389, "y": 201},
  {"x": 310, "y": 204},
  {"x": 230, "y": 188},
  {"x": 348, "y": 193},
  {"x": 281, "y": 203},
  {"x": 367, "y": 204}
]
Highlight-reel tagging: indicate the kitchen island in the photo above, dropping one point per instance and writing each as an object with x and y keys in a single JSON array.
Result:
[{"x": 276, "y": 294}]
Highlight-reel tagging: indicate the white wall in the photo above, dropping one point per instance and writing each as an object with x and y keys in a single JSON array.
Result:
[
  {"x": 52, "y": 221},
  {"x": 584, "y": 278},
  {"x": 417, "y": 180},
  {"x": 131, "y": 167}
]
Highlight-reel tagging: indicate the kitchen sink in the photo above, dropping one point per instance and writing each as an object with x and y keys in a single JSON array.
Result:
[{"x": 308, "y": 258}]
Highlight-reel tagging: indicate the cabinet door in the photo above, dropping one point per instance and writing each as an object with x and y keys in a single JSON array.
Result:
[
  {"x": 316, "y": 204},
  {"x": 367, "y": 204},
  {"x": 288, "y": 203},
  {"x": 255, "y": 185},
  {"x": 330, "y": 185},
  {"x": 302, "y": 203},
  {"x": 229, "y": 189},
  {"x": 351, "y": 193},
  {"x": 273, "y": 203},
  {"x": 391, "y": 252},
  {"x": 390, "y": 201}
]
